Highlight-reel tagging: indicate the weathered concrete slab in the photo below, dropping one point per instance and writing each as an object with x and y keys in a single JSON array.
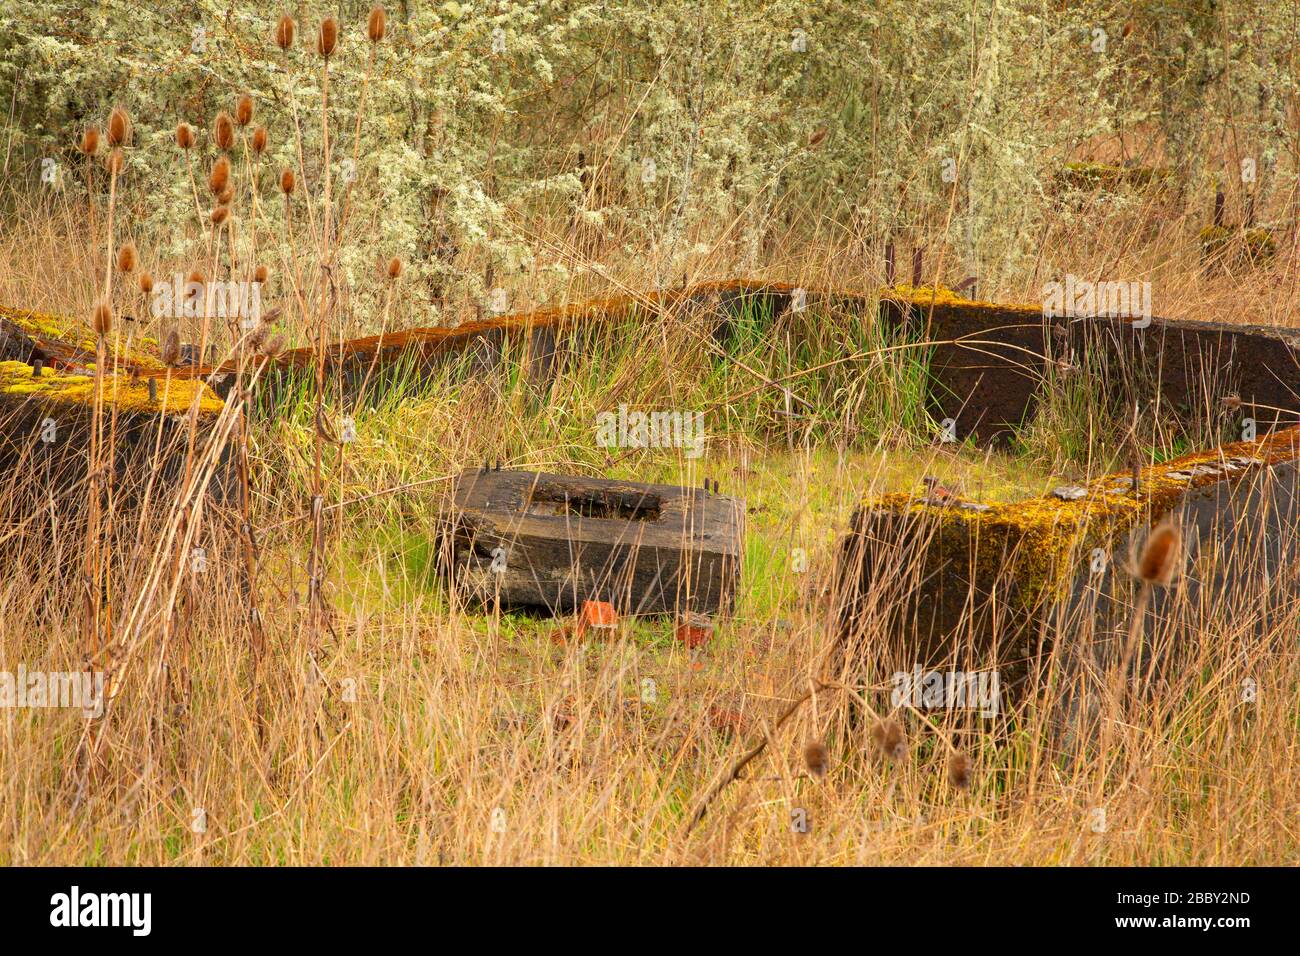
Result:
[
  {"x": 938, "y": 581},
  {"x": 554, "y": 541},
  {"x": 45, "y": 434},
  {"x": 990, "y": 364},
  {"x": 47, "y": 401}
]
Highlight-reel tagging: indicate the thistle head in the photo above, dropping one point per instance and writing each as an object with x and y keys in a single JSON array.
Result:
[
  {"x": 284, "y": 32},
  {"x": 888, "y": 737},
  {"x": 225, "y": 130},
  {"x": 327, "y": 38},
  {"x": 219, "y": 177},
  {"x": 119, "y": 127},
  {"x": 126, "y": 258},
  {"x": 959, "y": 770},
  {"x": 102, "y": 318},
  {"x": 1161, "y": 555},
  {"x": 376, "y": 24}
]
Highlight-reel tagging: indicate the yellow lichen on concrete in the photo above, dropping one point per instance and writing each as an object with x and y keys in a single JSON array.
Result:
[
  {"x": 925, "y": 295},
  {"x": 77, "y": 336},
  {"x": 1036, "y": 542},
  {"x": 120, "y": 391}
]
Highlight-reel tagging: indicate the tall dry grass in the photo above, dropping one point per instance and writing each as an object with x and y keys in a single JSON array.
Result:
[{"x": 319, "y": 695}]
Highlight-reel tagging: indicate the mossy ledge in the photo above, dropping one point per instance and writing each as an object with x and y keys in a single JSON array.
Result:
[
  {"x": 1037, "y": 540},
  {"x": 64, "y": 341},
  {"x": 126, "y": 393}
]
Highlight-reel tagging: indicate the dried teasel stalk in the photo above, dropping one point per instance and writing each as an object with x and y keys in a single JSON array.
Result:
[
  {"x": 219, "y": 177},
  {"x": 170, "y": 353},
  {"x": 119, "y": 127},
  {"x": 126, "y": 258},
  {"x": 102, "y": 319},
  {"x": 224, "y": 130},
  {"x": 1161, "y": 555},
  {"x": 327, "y": 38},
  {"x": 376, "y": 24},
  {"x": 284, "y": 29}
]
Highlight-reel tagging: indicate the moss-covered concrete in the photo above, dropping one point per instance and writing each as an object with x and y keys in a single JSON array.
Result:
[
  {"x": 956, "y": 577},
  {"x": 126, "y": 392},
  {"x": 64, "y": 341}
]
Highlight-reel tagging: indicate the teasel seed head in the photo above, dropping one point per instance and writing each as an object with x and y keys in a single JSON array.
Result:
[
  {"x": 89, "y": 141},
  {"x": 146, "y": 282},
  {"x": 219, "y": 215},
  {"x": 119, "y": 127},
  {"x": 219, "y": 177},
  {"x": 959, "y": 770},
  {"x": 394, "y": 267},
  {"x": 284, "y": 32},
  {"x": 116, "y": 161},
  {"x": 287, "y": 181},
  {"x": 244, "y": 110},
  {"x": 1161, "y": 554},
  {"x": 815, "y": 758},
  {"x": 225, "y": 130},
  {"x": 184, "y": 135},
  {"x": 328, "y": 37},
  {"x": 259, "y": 140},
  {"x": 126, "y": 258},
  {"x": 261, "y": 273},
  {"x": 226, "y": 196},
  {"x": 195, "y": 276},
  {"x": 272, "y": 347},
  {"x": 170, "y": 353},
  {"x": 377, "y": 24},
  {"x": 888, "y": 737},
  {"x": 103, "y": 318}
]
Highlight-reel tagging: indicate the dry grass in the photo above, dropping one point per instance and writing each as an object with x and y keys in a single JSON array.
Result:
[{"x": 387, "y": 723}]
